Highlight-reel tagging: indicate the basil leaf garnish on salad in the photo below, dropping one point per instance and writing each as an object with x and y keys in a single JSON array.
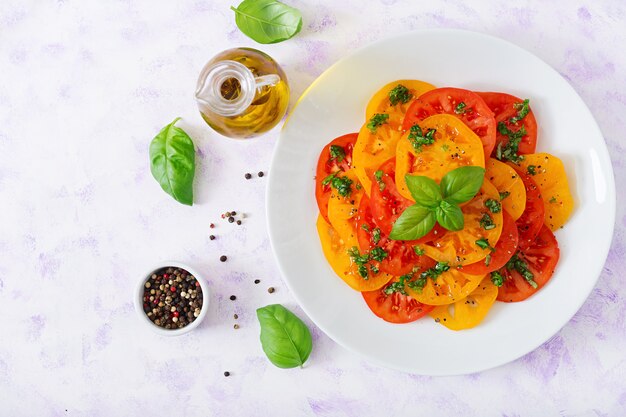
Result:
[
  {"x": 437, "y": 203},
  {"x": 399, "y": 94}
]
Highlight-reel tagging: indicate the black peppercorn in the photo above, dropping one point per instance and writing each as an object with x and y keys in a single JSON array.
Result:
[
  {"x": 256, "y": 281},
  {"x": 233, "y": 298},
  {"x": 212, "y": 237},
  {"x": 231, "y": 219},
  {"x": 223, "y": 258},
  {"x": 226, "y": 373},
  {"x": 261, "y": 173},
  {"x": 271, "y": 290},
  {"x": 239, "y": 222},
  {"x": 248, "y": 175}
]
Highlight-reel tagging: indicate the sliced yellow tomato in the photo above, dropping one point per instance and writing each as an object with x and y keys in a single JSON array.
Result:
[
  {"x": 471, "y": 310},
  {"x": 551, "y": 179},
  {"x": 371, "y": 150},
  {"x": 460, "y": 248},
  {"x": 448, "y": 288},
  {"x": 506, "y": 180},
  {"x": 336, "y": 252},
  {"x": 380, "y": 103},
  {"x": 455, "y": 146},
  {"x": 342, "y": 210}
]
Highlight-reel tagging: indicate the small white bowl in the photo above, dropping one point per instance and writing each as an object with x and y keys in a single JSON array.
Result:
[{"x": 172, "y": 332}]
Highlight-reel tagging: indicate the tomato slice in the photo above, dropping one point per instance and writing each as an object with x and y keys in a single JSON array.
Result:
[
  {"x": 504, "y": 249},
  {"x": 401, "y": 257},
  {"x": 510, "y": 186},
  {"x": 470, "y": 311},
  {"x": 448, "y": 288},
  {"x": 541, "y": 258},
  {"x": 459, "y": 247},
  {"x": 395, "y": 307},
  {"x": 387, "y": 203},
  {"x": 529, "y": 224},
  {"x": 372, "y": 149},
  {"x": 455, "y": 145},
  {"x": 380, "y": 103},
  {"x": 342, "y": 210},
  {"x": 503, "y": 106},
  {"x": 551, "y": 179},
  {"x": 336, "y": 252},
  {"x": 327, "y": 165},
  {"x": 475, "y": 113}
]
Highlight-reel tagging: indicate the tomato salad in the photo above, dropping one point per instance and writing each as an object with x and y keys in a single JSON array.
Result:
[{"x": 439, "y": 206}]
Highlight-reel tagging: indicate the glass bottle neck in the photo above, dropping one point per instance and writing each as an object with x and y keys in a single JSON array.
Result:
[{"x": 228, "y": 88}]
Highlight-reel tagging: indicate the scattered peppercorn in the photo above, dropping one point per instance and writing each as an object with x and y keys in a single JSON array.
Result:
[
  {"x": 172, "y": 298},
  {"x": 248, "y": 175},
  {"x": 235, "y": 316},
  {"x": 256, "y": 281},
  {"x": 226, "y": 373},
  {"x": 212, "y": 237},
  {"x": 236, "y": 326},
  {"x": 261, "y": 173},
  {"x": 233, "y": 298},
  {"x": 233, "y": 213},
  {"x": 212, "y": 226},
  {"x": 239, "y": 222},
  {"x": 223, "y": 258},
  {"x": 271, "y": 290},
  {"x": 231, "y": 219}
]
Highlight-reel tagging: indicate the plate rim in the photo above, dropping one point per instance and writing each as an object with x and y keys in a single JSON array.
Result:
[{"x": 603, "y": 155}]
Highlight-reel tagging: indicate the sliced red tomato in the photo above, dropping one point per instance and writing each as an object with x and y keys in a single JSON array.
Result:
[
  {"x": 541, "y": 258},
  {"x": 529, "y": 224},
  {"x": 464, "y": 104},
  {"x": 327, "y": 164},
  {"x": 401, "y": 257},
  {"x": 395, "y": 307},
  {"x": 504, "y": 249},
  {"x": 504, "y": 107},
  {"x": 387, "y": 204}
]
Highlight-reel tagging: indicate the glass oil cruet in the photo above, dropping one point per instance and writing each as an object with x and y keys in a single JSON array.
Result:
[{"x": 242, "y": 93}]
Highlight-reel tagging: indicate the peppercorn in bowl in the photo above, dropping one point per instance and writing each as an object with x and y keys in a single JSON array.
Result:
[{"x": 172, "y": 299}]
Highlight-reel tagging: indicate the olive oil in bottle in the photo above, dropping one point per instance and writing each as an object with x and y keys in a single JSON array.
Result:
[{"x": 242, "y": 93}]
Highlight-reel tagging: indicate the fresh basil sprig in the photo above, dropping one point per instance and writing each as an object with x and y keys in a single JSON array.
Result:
[
  {"x": 267, "y": 21},
  {"x": 437, "y": 203},
  {"x": 173, "y": 163},
  {"x": 285, "y": 339}
]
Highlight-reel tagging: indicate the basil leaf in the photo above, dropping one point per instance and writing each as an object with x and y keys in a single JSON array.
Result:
[
  {"x": 462, "y": 184},
  {"x": 267, "y": 21},
  {"x": 450, "y": 216},
  {"x": 172, "y": 162},
  {"x": 285, "y": 339},
  {"x": 424, "y": 190},
  {"x": 413, "y": 223}
]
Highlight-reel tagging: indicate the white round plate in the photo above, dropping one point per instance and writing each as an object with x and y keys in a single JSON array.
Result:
[{"x": 335, "y": 104}]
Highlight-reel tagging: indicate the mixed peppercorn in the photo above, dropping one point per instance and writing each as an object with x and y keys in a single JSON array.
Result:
[{"x": 172, "y": 298}]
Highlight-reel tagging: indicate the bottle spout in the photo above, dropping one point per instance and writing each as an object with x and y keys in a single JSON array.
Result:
[{"x": 227, "y": 88}]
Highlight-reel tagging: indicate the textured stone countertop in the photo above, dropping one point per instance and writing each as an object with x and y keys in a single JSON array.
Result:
[{"x": 85, "y": 85}]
